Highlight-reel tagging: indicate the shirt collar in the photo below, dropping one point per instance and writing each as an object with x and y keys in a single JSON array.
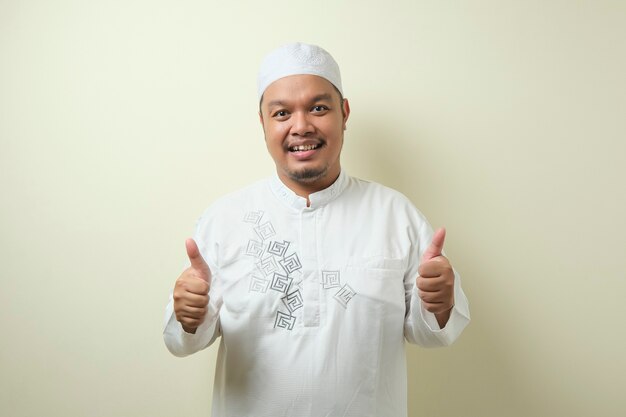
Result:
[{"x": 318, "y": 199}]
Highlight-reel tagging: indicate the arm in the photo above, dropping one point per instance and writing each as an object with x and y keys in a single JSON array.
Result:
[
  {"x": 437, "y": 309},
  {"x": 191, "y": 316}
]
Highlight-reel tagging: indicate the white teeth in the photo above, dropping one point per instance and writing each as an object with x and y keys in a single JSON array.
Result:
[{"x": 303, "y": 148}]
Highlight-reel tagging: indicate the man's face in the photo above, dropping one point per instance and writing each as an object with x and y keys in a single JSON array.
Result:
[{"x": 303, "y": 119}]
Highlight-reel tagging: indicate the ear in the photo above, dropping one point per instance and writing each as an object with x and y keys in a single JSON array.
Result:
[
  {"x": 262, "y": 121},
  {"x": 346, "y": 112}
]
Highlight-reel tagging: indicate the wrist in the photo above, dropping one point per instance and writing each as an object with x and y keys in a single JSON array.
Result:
[
  {"x": 190, "y": 330},
  {"x": 443, "y": 317}
]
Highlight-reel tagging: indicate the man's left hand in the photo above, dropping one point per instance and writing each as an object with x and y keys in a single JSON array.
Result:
[{"x": 435, "y": 282}]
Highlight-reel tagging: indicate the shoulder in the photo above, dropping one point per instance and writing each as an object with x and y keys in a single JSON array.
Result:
[
  {"x": 235, "y": 205},
  {"x": 384, "y": 200},
  {"x": 372, "y": 190}
]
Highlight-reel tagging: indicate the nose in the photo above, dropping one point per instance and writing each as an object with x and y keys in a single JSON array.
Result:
[{"x": 302, "y": 125}]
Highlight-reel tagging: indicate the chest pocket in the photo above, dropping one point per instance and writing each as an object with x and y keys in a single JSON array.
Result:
[
  {"x": 366, "y": 313},
  {"x": 378, "y": 280}
]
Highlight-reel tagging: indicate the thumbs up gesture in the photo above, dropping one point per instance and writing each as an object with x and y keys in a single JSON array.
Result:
[
  {"x": 435, "y": 282},
  {"x": 191, "y": 292}
]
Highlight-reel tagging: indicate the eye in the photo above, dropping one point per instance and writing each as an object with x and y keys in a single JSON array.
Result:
[
  {"x": 280, "y": 114},
  {"x": 319, "y": 109}
]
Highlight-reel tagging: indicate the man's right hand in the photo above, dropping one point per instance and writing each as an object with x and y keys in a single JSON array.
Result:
[{"x": 191, "y": 292}]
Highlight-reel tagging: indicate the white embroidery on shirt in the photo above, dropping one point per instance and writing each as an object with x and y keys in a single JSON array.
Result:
[
  {"x": 291, "y": 263},
  {"x": 331, "y": 279},
  {"x": 280, "y": 283},
  {"x": 278, "y": 248},
  {"x": 271, "y": 255},
  {"x": 265, "y": 231},
  {"x": 293, "y": 301},
  {"x": 254, "y": 249},
  {"x": 253, "y": 217},
  {"x": 284, "y": 321},
  {"x": 259, "y": 284},
  {"x": 344, "y": 295},
  {"x": 267, "y": 266}
]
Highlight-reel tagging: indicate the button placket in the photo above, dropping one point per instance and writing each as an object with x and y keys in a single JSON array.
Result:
[{"x": 310, "y": 284}]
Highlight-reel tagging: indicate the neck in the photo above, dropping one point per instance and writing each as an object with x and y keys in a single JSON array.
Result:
[{"x": 304, "y": 189}]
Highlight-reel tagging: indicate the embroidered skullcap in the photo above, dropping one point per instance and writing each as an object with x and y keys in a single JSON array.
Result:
[{"x": 295, "y": 59}]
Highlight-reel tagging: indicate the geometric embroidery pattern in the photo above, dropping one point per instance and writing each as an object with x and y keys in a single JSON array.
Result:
[
  {"x": 253, "y": 217},
  {"x": 265, "y": 231},
  {"x": 259, "y": 284},
  {"x": 291, "y": 263},
  {"x": 267, "y": 266},
  {"x": 293, "y": 301},
  {"x": 271, "y": 256},
  {"x": 284, "y": 321},
  {"x": 330, "y": 279},
  {"x": 254, "y": 248},
  {"x": 344, "y": 295},
  {"x": 278, "y": 248},
  {"x": 280, "y": 283}
]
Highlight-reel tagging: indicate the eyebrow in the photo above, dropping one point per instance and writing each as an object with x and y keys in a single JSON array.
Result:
[
  {"x": 275, "y": 103},
  {"x": 322, "y": 97},
  {"x": 319, "y": 97}
]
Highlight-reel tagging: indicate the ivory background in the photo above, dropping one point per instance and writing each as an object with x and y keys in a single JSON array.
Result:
[{"x": 120, "y": 121}]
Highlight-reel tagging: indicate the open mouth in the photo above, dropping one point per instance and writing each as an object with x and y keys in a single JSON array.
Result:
[{"x": 304, "y": 148}]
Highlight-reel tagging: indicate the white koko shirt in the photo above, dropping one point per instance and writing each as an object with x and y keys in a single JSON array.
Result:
[{"x": 313, "y": 304}]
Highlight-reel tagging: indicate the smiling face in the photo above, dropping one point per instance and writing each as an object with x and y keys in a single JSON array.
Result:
[{"x": 303, "y": 119}]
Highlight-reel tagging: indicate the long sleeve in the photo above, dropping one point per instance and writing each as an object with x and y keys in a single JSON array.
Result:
[
  {"x": 179, "y": 342},
  {"x": 420, "y": 325}
]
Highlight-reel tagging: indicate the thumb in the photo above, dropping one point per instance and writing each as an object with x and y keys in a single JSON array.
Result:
[
  {"x": 436, "y": 245},
  {"x": 196, "y": 259}
]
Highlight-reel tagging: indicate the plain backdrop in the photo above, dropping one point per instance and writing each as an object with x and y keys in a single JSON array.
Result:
[{"x": 121, "y": 121}]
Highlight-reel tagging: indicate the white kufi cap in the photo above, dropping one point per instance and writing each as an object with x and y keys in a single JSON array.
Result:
[{"x": 295, "y": 59}]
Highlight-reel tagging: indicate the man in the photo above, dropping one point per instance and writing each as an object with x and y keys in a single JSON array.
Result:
[{"x": 313, "y": 279}]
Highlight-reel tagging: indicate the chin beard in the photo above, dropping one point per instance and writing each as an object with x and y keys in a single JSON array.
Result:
[{"x": 307, "y": 175}]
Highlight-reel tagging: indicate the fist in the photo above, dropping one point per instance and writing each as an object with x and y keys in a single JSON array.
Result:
[
  {"x": 191, "y": 291},
  {"x": 435, "y": 282}
]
